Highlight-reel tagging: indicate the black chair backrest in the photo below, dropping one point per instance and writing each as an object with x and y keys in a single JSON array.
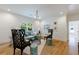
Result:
[
  {"x": 18, "y": 37},
  {"x": 50, "y": 31}
]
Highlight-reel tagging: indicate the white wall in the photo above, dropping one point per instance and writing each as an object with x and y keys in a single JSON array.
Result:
[
  {"x": 61, "y": 32},
  {"x": 73, "y": 17},
  {"x": 61, "y": 27},
  {"x": 9, "y": 21}
]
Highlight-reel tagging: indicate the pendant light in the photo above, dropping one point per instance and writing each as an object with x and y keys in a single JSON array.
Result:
[{"x": 37, "y": 18}]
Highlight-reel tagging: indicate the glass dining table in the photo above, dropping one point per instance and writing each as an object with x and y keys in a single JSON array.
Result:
[{"x": 30, "y": 37}]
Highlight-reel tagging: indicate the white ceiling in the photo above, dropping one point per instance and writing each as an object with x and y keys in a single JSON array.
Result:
[{"x": 45, "y": 11}]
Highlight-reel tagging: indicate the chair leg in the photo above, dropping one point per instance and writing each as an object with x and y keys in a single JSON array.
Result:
[
  {"x": 14, "y": 51},
  {"x": 30, "y": 50},
  {"x": 21, "y": 51}
]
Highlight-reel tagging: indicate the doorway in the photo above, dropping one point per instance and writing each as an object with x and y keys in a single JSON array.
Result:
[{"x": 73, "y": 37}]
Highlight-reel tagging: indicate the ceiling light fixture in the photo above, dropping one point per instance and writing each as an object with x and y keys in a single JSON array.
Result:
[
  {"x": 61, "y": 13},
  {"x": 37, "y": 15},
  {"x": 9, "y": 9},
  {"x": 38, "y": 21},
  {"x": 72, "y": 7}
]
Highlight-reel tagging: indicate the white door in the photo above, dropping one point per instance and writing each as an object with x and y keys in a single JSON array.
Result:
[{"x": 73, "y": 37}]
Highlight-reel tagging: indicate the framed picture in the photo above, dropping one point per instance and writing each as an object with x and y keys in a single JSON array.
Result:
[
  {"x": 55, "y": 23},
  {"x": 26, "y": 26},
  {"x": 29, "y": 26},
  {"x": 23, "y": 26}
]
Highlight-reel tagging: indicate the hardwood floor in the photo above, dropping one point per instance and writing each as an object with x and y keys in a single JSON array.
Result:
[
  {"x": 8, "y": 50},
  {"x": 58, "y": 48}
]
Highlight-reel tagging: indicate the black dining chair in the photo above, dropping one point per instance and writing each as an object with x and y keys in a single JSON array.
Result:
[
  {"x": 49, "y": 37},
  {"x": 51, "y": 33},
  {"x": 18, "y": 40}
]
